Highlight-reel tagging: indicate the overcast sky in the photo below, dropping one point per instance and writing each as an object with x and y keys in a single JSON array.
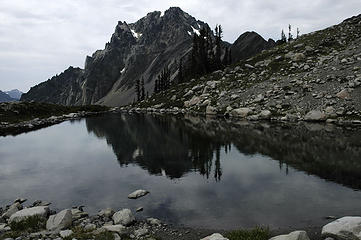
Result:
[{"x": 41, "y": 38}]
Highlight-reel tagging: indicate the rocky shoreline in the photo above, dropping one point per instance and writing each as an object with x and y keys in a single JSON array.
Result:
[
  {"x": 19, "y": 117},
  {"x": 39, "y": 221}
]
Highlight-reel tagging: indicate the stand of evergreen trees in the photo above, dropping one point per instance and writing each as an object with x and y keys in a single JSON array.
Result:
[{"x": 208, "y": 55}]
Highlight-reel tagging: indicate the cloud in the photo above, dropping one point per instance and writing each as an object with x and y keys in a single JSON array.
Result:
[{"x": 41, "y": 38}]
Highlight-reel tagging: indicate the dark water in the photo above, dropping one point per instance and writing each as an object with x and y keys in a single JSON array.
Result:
[{"x": 200, "y": 172}]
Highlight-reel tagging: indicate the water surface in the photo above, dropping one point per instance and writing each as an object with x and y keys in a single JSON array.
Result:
[{"x": 203, "y": 173}]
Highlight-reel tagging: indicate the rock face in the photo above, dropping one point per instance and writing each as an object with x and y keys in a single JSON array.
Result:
[
  {"x": 296, "y": 235},
  {"x": 60, "y": 221},
  {"x": 137, "y": 50},
  {"x": 123, "y": 217},
  {"x": 215, "y": 236},
  {"x": 346, "y": 228},
  {"x": 137, "y": 194},
  {"x": 29, "y": 212}
]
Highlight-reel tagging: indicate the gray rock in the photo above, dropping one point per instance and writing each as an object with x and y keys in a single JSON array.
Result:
[
  {"x": 138, "y": 194},
  {"x": 141, "y": 232},
  {"x": 4, "y": 228},
  {"x": 115, "y": 228},
  {"x": 12, "y": 209},
  {"x": 265, "y": 114},
  {"x": 346, "y": 228},
  {"x": 154, "y": 221},
  {"x": 65, "y": 233},
  {"x": 124, "y": 217},
  {"x": 78, "y": 214},
  {"x": 29, "y": 212},
  {"x": 315, "y": 115},
  {"x": 194, "y": 101},
  {"x": 60, "y": 221},
  {"x": 215, "y": 236},
  {"x": 241, "y": 112},
  {"x": 296, "y": 235},
  {"x": 90, "y": 227},
  {"x": 344, "y": 94},
  {"x": 211, "y": 110},
  {"x": 108, "y": 213}
]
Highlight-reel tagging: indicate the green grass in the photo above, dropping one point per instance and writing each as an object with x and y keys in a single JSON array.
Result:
[
  {"x": 254, "y": 234},
  {"x": 30, "y": 224}
]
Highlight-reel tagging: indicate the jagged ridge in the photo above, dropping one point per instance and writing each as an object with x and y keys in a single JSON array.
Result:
[{"x": 136, "y": 50}]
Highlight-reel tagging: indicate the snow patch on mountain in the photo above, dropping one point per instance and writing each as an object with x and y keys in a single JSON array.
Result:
[{"x": 135, "y": 34}]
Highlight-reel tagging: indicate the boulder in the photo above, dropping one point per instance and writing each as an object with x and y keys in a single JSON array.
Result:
[
  {"x": 138, "y": 194},
  {"x": 4, "y": 228},
  {"x": 215, "y": 236},
  {"x": 298, "y": 57},
  {"x": 154, "y": 221},
  {"x": 78, "y": 214},
  {"x": 124, "y": 217},
  {"x": 346, "y": 228},
  {"x": 115, "y": 228},
  {"x": 141, "y": 232},
  {"x": 211, "y": 110},
  {"x": 108, "y": 213},
  {"x": 60, "y": 221},
  {"x": 65, "y": 233},
  {"x": 265, "y": 114},
  {"x": 29, "y": 212},
  {"x": 315, "y": 115},
  {"x": 194, "y": 101},
  {"x": 296, "y": 235},
  {"x": 344, "y": 94},
  {"x": 241, "y": 112},
  {"x": 12, "y": 209}
]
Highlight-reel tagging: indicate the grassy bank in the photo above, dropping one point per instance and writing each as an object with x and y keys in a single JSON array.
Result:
[{"x": 17, "y": 112}]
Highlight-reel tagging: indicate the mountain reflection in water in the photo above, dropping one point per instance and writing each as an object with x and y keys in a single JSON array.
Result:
[{"x": 175, "y": 146}]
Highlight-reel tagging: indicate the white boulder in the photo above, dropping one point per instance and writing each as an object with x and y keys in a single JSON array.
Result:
[
  {"x": 346, "y": 228},
  {"x": 60, "y": 221},
  {"x": 124, "y": 217},
  {"x": 138, "y": 194},
  {"x": 215, "y": 236},
  {"x": 29, "y": 212},
  {"x": 315, "y": 115},
  {"x": 296, "y": 235}
]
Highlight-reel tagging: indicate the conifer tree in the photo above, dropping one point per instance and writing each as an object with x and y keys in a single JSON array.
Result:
[
  {"x": 142, "y": 90},
  {"x": 283, "y": 37},
  {"x": 137, "y": 89},
  {"x": 290, "y": 37}
]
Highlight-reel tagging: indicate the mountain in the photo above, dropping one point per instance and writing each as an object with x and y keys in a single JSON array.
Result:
[
  {"x": 137, "y": 50},
  {"x": 316, "y": 77},
  {"x": 15, "y": 93},
  {"x": 249, "y": 44},
  {"x": 5, "y": 98}
]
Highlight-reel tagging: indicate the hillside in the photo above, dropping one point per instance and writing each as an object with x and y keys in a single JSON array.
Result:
[
  {"x": 136, "y": 50},
  {"x": 316, "y": 77}
]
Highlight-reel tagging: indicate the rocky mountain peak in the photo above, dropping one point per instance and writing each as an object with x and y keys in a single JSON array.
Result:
[{"x": 135, "y": 51}]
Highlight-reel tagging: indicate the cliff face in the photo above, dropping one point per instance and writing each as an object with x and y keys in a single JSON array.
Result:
[{"x": 137, "y": 50}]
